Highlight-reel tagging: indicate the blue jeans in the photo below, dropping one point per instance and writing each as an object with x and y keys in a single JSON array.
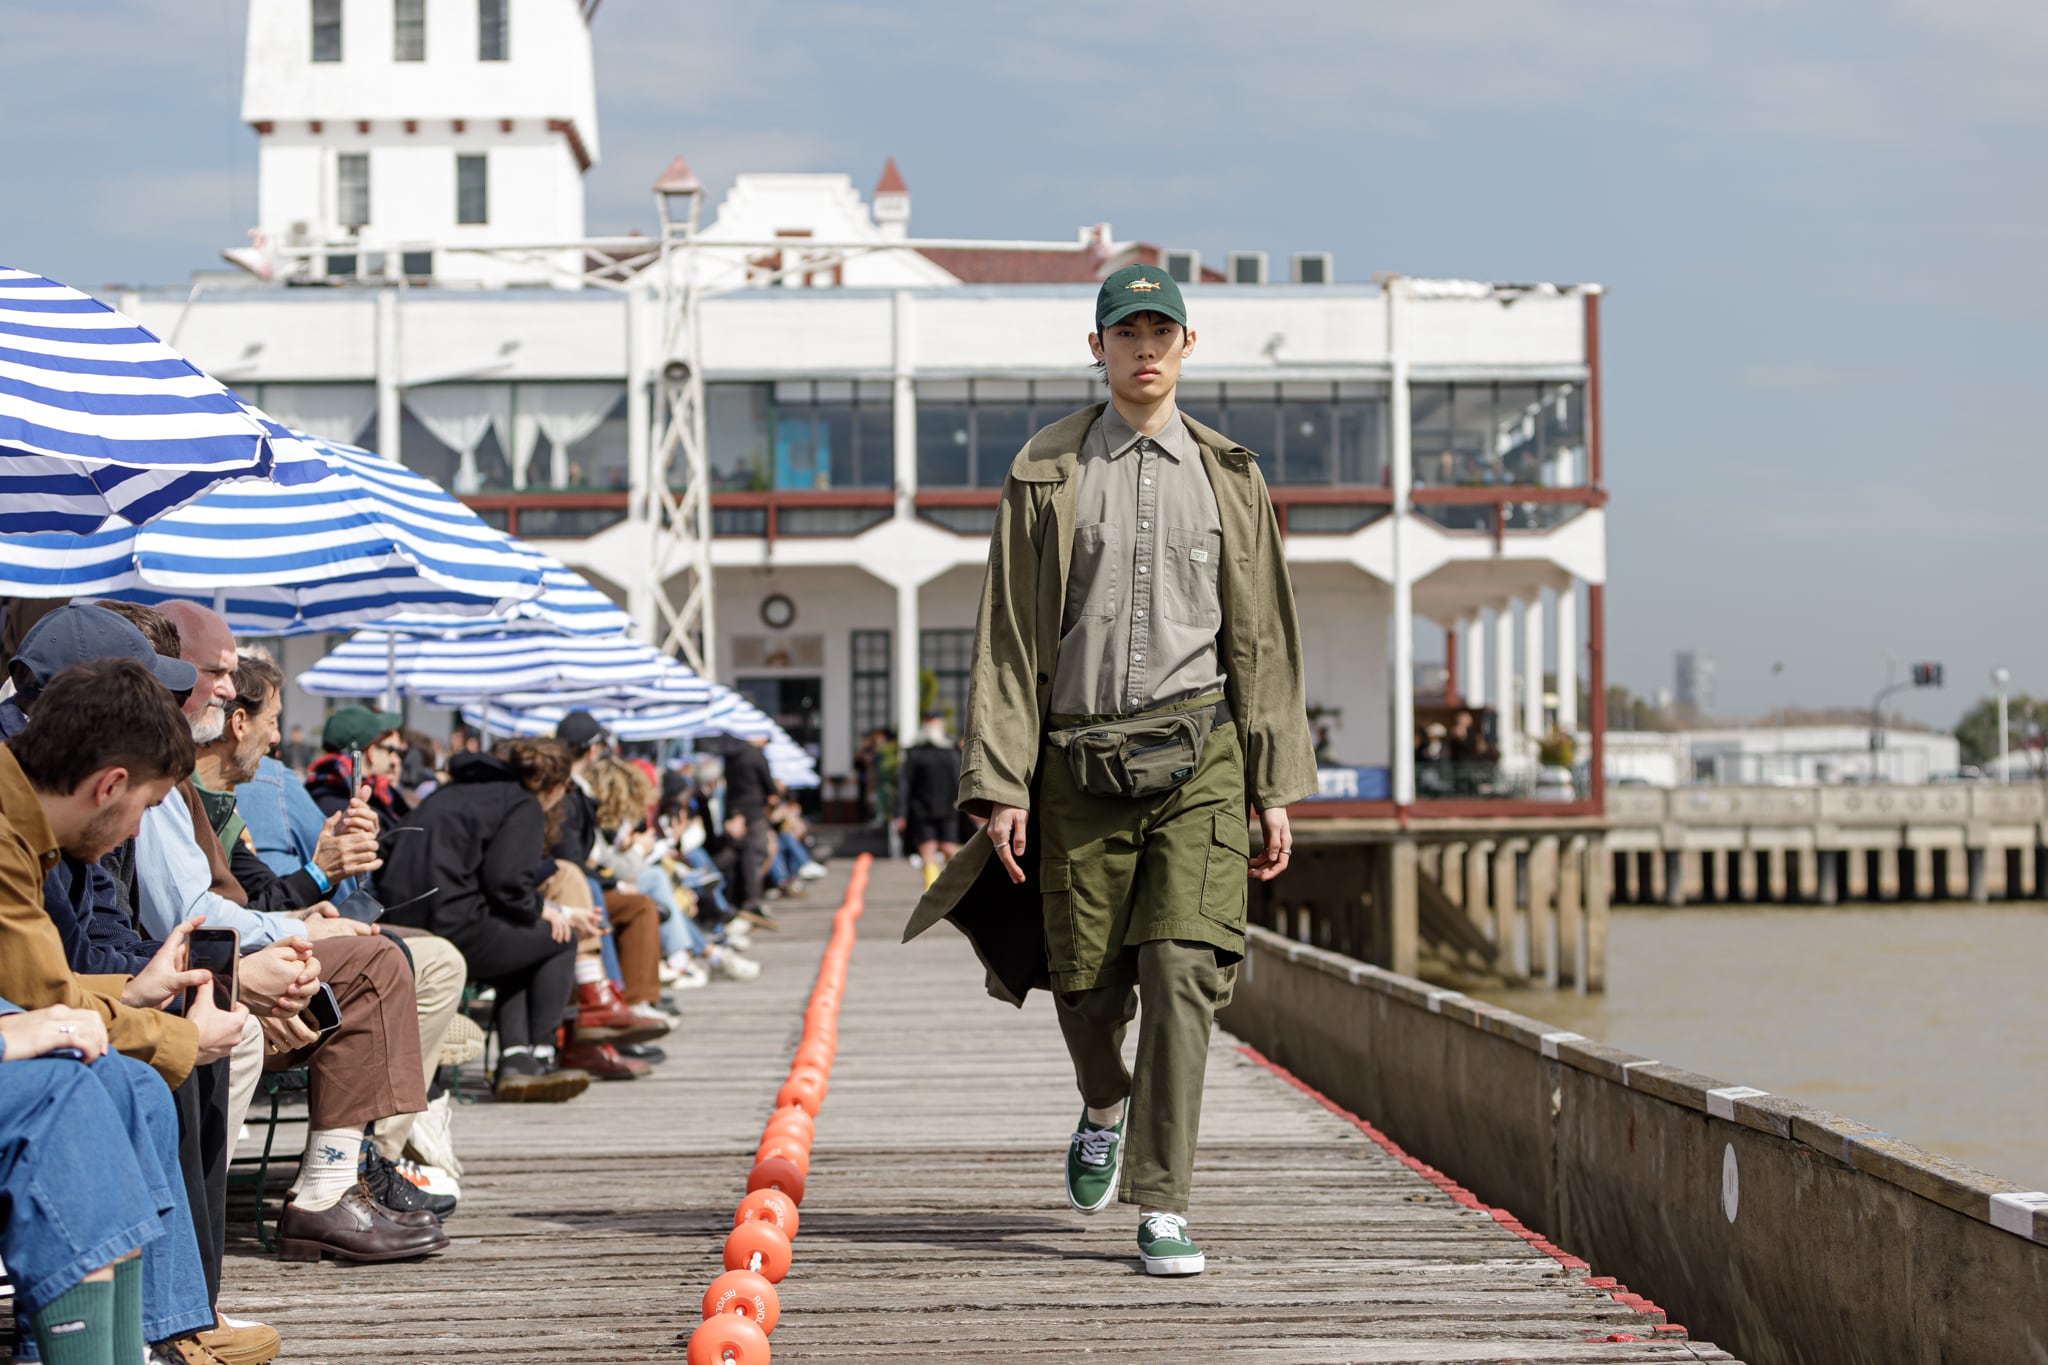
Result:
[
  {"x": 790, "y": 856},
  {"x": 607, "y": 951},
  {"x": 679, "y": 933},
  {"x": 713, "y": 909},
  {"x": 76, "y": 1197}
]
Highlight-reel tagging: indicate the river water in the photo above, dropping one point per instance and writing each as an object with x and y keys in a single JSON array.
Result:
[{"x": 1928, "y": 1022}]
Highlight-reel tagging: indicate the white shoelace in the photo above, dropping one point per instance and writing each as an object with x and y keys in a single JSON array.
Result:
[
  {"x": 1166, "y": 1226},
  {"x": 1095, "y": 1144}
]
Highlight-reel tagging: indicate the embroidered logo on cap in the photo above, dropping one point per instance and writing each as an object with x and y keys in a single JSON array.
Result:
[{"x": 1143, "y": 286}]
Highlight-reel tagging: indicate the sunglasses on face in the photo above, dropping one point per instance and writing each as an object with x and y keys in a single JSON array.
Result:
[{"x": 389, "y": 748}]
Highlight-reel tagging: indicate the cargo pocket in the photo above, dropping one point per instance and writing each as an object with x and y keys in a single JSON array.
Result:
[
  {"x": 1225, "y": 885},
  {"x": 1092, "y": 573},
  {"x": 1055, "y": 881}
]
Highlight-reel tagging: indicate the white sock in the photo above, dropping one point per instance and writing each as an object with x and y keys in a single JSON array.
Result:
[
  {"x": 1106, "y": 1118},
  {"x": 544, "y": 1055},
  {"x": 589, "y": 970},
  {"x": 328, "y": 1168}
]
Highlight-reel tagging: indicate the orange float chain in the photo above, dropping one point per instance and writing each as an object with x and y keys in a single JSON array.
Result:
[{"x": 742, "y": 1305}]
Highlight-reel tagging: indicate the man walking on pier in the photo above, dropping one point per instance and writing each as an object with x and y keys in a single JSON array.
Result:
[{"x": 1137, "y": 685}]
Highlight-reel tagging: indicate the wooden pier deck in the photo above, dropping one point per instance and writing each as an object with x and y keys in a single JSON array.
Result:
[{"x": 934, "y": 1227}]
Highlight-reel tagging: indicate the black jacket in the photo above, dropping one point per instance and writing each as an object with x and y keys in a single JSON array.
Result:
[
  {"x": 482, "y": 850},
  {"x": 579, "y": 827},
  {"x": 748, "y": 783},
  {"x": 928, "y": 781}
]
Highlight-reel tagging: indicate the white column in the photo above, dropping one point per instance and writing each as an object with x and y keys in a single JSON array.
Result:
[
  {"x": 907, "y": 661},
  {"x": 902, "y": 320},
  {"x": 389, "y": 395},
  {"x": 1568, "y": 657},
  {"x": 1474, "y": 662},
  {"x": 1401, "y": 740},
  {"x": 1532, "y": 666},
  {"x": 1507, "y": 720},
  {"x": 644, "y": 587}
]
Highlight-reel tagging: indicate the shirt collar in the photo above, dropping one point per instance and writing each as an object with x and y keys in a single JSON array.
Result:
[
  {"x": 20, "y": 809},
  {"x": 1120, "y": 436}
]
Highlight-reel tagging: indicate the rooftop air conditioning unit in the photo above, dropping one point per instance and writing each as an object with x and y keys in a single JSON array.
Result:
[
  {"x": 301, "y": 233},
  {"x": 1314, "y": 267},
  {"x": 1247, "y": 267},
  {"x": 1183, "y": 267}
]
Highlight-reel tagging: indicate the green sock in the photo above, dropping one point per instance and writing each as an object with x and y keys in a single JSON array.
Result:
[
  {"x": 78, "y": 1326},
  {"x": 128, "y": 1343}
]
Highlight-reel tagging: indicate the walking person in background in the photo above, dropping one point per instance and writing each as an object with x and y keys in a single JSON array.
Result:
[
  {"x": 748, "y": 785},
  {"x": 1137, "y": 682},
  {"x": 928, "y": 779}
]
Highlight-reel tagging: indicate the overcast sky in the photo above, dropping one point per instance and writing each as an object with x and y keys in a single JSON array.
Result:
[{"x": 1821, "y": 223}]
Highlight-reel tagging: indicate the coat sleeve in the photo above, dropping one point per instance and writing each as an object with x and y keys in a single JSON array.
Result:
[
  {"x": 1280, "y": 759},
  {"x": 511, "y": 862},
  {"x": 1002, "y": 695}
]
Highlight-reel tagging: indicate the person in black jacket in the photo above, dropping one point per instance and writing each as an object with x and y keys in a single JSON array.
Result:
[
  {"x": 926, "y": 784},
  {"x": 748, "y": 783},
  {"x": 476, "y": 871}
]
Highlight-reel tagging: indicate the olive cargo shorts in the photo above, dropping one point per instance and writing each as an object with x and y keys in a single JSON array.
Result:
[{"x": 1145, "y": 898}]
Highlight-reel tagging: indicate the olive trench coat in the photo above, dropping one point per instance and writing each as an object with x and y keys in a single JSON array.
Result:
[{"x": 1016, "y": 654}]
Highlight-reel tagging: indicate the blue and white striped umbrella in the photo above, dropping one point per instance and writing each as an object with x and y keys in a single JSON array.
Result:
[
  {"x": 366, "y": 540},
  {"x": 674, "y": 688},
  {"x": 727, "y": 713},
  {"x": 101, "y": 421},
  {"x": 372, "y": 662},
  {"x": 567, "y": 604}
]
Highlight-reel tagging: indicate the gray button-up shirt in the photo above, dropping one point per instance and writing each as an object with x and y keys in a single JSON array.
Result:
[{"x": 1142, "y": 609}]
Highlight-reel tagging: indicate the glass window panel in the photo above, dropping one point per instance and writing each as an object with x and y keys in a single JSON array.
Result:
[
  {"x": 417, "y": 265},
  {"x": 1250, "y": 393},
  {"x": 1517, "y": 432},
  {"x": 1000, "y": 431},
  {"x": 1065, "y": 394},
  {"x": 1472, "y": 434},
  {"x": 834, "y": 391},
  {"x": 1198, "y": 393},
  {"x": 409, "y": 30},
  {"x": 326, "y": 30},
  {"x": 793, "y": 391},
  {"x": 493, "y": 31},
  {"x": 1309, "y": 437},
  {"x": 600, "y": 460},
  {"x": 1001, "y": 391},
  {"x": 1429, "y": 413},
  {"x": 878, "y": 391},
  {"x": 1337, "y": 519},
  {"x": 1564, "y": 435},
  {"x": 1318, "y": 392},
  {"x": 352, "y": 180},
  {"x": 422, "y": 452},
  {"x": 570, "y": 522},
  {"x": 828, "y": 521},
  {"x": 739, "y": 521},
  {"x": 942, "y": 445},
  {"x": 1207, "y": 413},
  {"x": 801, "y": 460},
  {"x": 736, "y": 432},
  {"x": 1253, "y": 425},
  {"x": 965, "y": 521},
  {"x": 493, "y": 470},
  {"x": 836, "y": 455},
  {"x": 472, "y": 189},
  {"x": 874, "y": 435},
  {"x": 1361, "y": 441},
  {"x": 942, "y": 391}
]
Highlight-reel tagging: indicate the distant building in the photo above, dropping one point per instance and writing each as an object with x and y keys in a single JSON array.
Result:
[
  {"x": 1764, "y": 755},
  {"x": 1693, "y": 681}
]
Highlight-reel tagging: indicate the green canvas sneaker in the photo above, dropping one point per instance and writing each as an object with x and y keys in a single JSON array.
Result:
[
  {"x": 1095, "y": 1159},
  {"x": 1163, "y": 1242}
]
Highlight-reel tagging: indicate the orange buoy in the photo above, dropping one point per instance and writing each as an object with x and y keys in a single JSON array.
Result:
[
  {"x": 746, "y": 1293},
  {"x": 787, "y": 1148},
  {"x": 759, "y": 1247},
  {"x": 777, "y": 1173},
  {"x": 728, "y": 1339},
  {"x": 769, "y": 1206}
]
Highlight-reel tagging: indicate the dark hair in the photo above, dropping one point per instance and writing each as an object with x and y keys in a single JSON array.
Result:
[
  {"x": 540, "y": 763},
  {"x": 257, "y": 680},
  {"x": 160, "y": 630},
  {"x": 108, "y": 713}
]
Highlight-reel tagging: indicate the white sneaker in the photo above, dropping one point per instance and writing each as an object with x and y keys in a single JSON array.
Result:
[
  {"x": 739, "y": 934},
  {"x": 730, "y": 965},
  {"x": 655, "y": 1014},
  {"x": 811, "y": 871},
  {"x": 433, "y": 1179},
  {"x": 432, "y": 1140},
  {"x": 687, "y": 972}
]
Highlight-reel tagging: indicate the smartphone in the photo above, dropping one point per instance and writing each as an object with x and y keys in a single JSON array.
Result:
[
  {"x": 360, "y": 905},
  {"x": 217, "y": 950},
  {"x": 323, "y": 1013},
  {"x": 356, "y": 777}
]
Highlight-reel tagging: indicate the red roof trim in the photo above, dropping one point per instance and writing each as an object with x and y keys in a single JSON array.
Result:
[{"x": 576, "y": 148}]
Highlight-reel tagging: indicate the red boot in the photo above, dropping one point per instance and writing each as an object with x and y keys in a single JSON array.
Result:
[
  {"x": 602, "y": 1017},
  {"x": 603, "y": 1061}
]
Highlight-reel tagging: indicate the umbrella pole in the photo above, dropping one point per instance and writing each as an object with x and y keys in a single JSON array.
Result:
[
  {"x": 391, "y": 672},
  {"x": 483, "y": 725}
]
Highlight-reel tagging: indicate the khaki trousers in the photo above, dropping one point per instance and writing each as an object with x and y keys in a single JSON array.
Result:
[{"x": 439, "y": 973}]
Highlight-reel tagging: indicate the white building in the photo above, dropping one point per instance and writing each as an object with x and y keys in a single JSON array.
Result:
[
  {"x": 1432, "y": 446},
  {"x": 1793, "y": 755}
]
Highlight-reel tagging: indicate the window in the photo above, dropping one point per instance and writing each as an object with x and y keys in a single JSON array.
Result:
[
  {"x": 417, "y": 265},
  {"x": 874, "y": 701},
  {"x": 409, "y": 30},
  {"x": 800, "y": 434},
  {"x": 1184, "y": 267},
  {"x": 472, "y": 189},
  {"x": 947, "y": 656},
  {"x": 1499, "y": 433},
  {"x": 326, "y": 30},
  {"x": 352, "y": 189},
  {"x": 968, "y": 433},
  {"x": 1305, "y": 434},
  {"x": 493, "y": 31}
]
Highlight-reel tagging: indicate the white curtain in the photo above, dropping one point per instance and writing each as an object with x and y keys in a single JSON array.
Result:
[
  {"x": 565, "y": 414},
  {"x": 338, "y": 412},
  {"x": 458, "y": 415}
]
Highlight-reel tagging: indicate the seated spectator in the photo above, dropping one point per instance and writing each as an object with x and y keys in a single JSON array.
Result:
[
  {"x": 379, "y": 737},
  {"x": 473, "y": 877},
  {"x": 94, "y": 1227},
  {"x": 791, "y": 864}
]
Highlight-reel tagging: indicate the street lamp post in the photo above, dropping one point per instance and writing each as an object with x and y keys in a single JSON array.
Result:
[{"x": 2000, "y": 676}]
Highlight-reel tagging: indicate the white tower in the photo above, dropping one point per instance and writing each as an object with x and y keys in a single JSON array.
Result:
[
  {"x": 892, "y": 202},
  {"x": 396, "y": 132}
]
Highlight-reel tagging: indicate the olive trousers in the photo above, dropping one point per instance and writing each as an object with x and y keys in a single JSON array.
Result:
[{"x": 1145, "y": 906}]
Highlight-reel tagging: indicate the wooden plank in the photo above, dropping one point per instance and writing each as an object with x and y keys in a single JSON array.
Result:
[{"x": 934, "y": 1227}]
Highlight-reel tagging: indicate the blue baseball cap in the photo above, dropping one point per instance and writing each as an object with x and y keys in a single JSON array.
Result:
[{"x": 78, "y": 634}]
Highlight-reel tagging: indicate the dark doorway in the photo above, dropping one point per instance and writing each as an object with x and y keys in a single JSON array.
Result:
[{"x": 798, "y": 706}]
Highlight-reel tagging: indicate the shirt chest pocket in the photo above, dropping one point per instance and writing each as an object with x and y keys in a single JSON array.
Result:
[
  {"x": 1092, "y": 573},
  {"x": 1187, "y": 587}
]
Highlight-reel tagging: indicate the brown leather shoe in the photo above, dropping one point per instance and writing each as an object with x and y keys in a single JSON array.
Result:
[
  {"x": 603, "y": 1061},
  {"x": 254, "y": 1344},
  {"x": 356, "y": 1229},
  {"x": 603, "y": 1017}
]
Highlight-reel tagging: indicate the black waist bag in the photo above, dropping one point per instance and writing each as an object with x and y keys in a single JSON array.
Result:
[{"x": 1139, "y": 757}]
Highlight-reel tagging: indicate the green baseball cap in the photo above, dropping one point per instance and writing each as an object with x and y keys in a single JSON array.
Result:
[
  {"x": 1139, "y": 289},
  {"x": 353, "y": 727}
]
